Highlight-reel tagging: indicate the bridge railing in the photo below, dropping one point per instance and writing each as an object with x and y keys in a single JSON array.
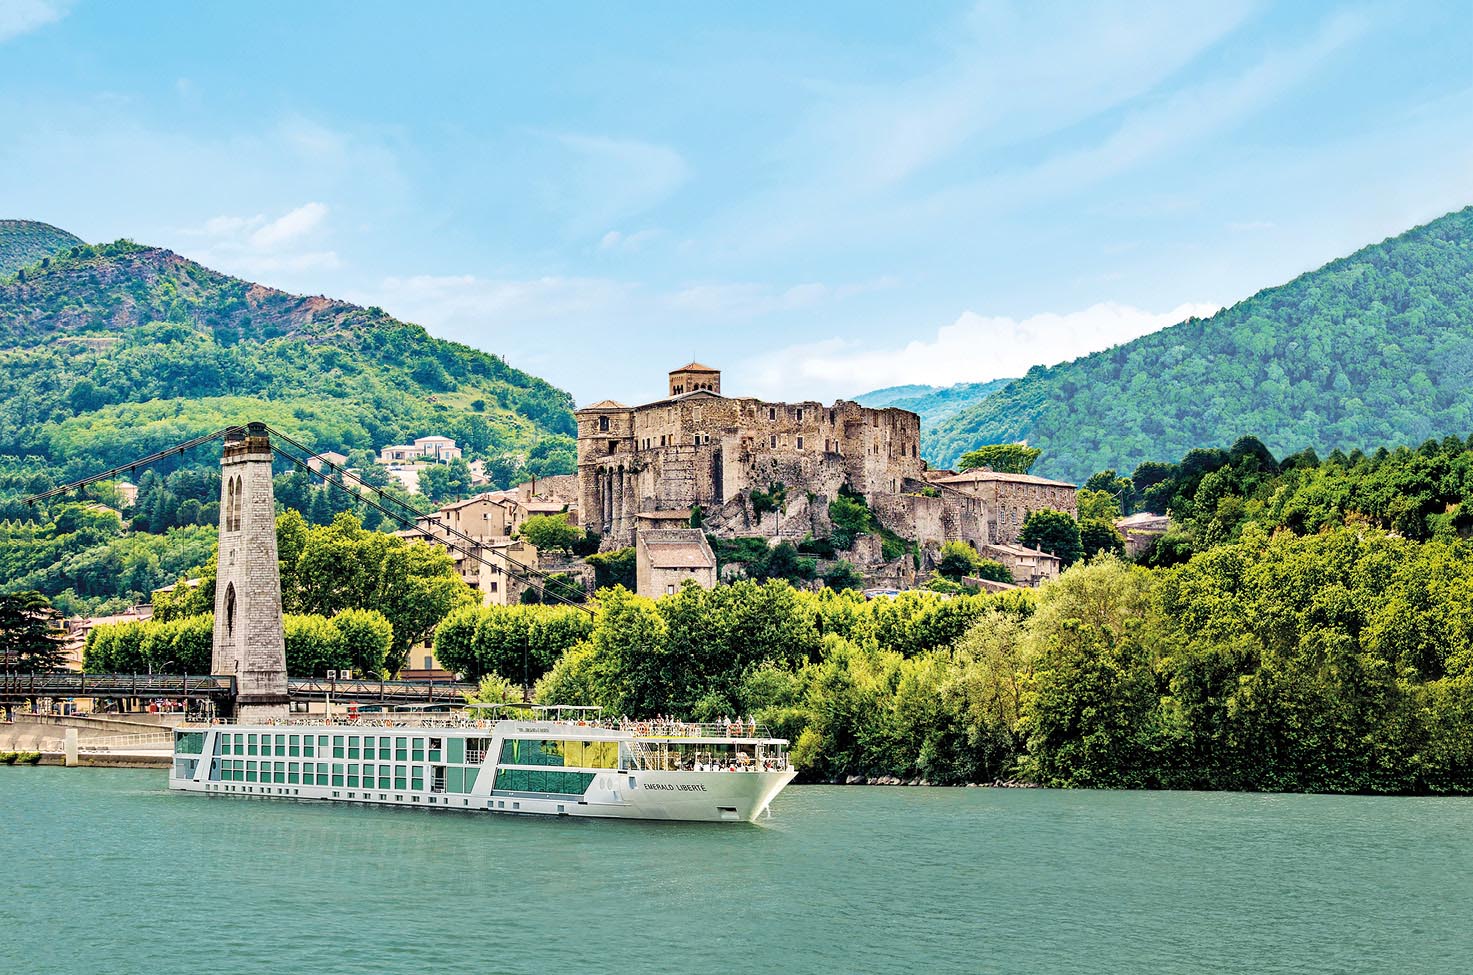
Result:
[
  {"x": 385, "y": 691},
  {"x": 69, "y": 684}
]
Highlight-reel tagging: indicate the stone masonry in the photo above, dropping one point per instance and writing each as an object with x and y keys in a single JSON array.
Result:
[
  {"x": 249, "y": 643},
  {"x": 698, "y": 448}
]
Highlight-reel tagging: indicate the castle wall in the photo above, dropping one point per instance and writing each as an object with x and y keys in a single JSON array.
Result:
[{"x": 708, "y": 450}]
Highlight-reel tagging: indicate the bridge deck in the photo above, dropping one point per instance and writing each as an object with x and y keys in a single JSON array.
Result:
[{"x": 18, "y": 687}]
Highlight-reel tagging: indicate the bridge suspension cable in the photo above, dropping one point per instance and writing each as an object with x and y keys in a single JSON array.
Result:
[
  {"x": 152, "y": 458},
  {"x": 467, "y": 546}
]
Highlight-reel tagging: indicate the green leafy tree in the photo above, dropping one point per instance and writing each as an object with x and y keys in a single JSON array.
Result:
[
  {"x": 550, "y": 533},
  {"x": 616, "y": 568},
  {"x": 957, "y": 559},
  {"x": 843, "y": 575},
  {"x": 1054, "y": 532},
  {"x": 1098, "y": 506},
  {"x": 1009, "y": 458},
  {"x": 1100, "y": 536},
  {"x": 368, "y": 638}
]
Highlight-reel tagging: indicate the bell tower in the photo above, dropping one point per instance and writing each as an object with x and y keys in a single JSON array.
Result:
[{"x": 249, "y": 643}]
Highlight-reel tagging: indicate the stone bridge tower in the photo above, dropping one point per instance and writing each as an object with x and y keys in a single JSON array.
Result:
[{"x": 249, "y": 642}]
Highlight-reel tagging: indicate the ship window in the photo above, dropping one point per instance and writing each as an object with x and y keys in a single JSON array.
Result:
[
  {"x": 280, "y": 744},
  {"x": 401, "y": 749},
  {"x": 251, "y": 746},
  {"x": 384, "y": 777},
  {"x": 352, "y": 776},
  {"x": 294, "y": 745},
  {"x": 417, "y": 778},
  {"x": 418, "y": 752},
  {"x": 401, "y": 777},
  {"x": 385, "y": 748},
  {"x": 454, "y": 779},
  {"x": 293, "y": 773}
]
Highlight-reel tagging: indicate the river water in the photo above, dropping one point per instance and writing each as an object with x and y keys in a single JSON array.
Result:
[{"x": 106, "y": 871}]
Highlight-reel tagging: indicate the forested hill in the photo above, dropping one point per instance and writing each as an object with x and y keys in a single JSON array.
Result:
[
  {"x": 108, "y": 352},
  {"x": 1373, "y": 348},
  {"x": 24, "y": 242}
]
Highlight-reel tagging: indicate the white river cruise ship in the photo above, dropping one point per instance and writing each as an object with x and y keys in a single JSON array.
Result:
[{"x": 559, "y": 762}]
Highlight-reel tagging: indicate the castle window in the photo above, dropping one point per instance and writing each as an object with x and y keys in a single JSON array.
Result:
[
  {"x": 771, "y": 413},
  {"x": 800, "y": 443},
  {"x": 662, "y": 440},
  {"x": 603, "y": 423},
  {"x": 774, "y": 441},
  {"x": 831, "y": 417},
  {"x": 800, "y": 414},
  {"x": 613, "y": 446}
]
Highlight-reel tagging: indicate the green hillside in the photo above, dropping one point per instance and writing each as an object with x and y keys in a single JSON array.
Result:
[
  {"x": 112, "y": 351},
  {"x": 25, "y": 242},
  {"x": 933, "y": 403},
  {"x": 1373, "y": 348}
]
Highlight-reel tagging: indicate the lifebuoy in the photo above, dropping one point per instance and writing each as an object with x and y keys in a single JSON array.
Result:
[{"x": 643, "y": 729}]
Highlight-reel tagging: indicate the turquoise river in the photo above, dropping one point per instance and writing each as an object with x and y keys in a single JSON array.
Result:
[{"x": 106, "y": 871}]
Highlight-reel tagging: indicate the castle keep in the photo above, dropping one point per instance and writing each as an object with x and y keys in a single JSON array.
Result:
[{"x": 699, "y": 449}]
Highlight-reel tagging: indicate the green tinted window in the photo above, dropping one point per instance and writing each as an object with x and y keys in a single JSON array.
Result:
[
  {"x": 352, "y": 776},
  {"x": 383, "y": 777},
  {"x": 457, "y": 751},
  {"x": 419, "y": 749},
  {"x": 454, "y": 779},
  {"x": 401, "y": 777},
  {"x": 251, "y": 745},
  {"x": 401, "y": 749},
  {"x": 189, "y": 742},
  {"x": 250, "y": 771},
  {"x": 352, "y": 747},
  {"x": 417, "y": 777},
  {"x": 337, "y": 773},
  {"x": 281, "y": 744},
  {"x": 385, "y": 749}
]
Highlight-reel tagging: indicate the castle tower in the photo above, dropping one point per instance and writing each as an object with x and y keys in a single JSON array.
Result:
[
  {"x": 249, "y": 642},
  {"x": 693, "y": 376}
]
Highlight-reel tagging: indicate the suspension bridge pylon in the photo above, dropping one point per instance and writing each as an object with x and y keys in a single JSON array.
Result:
[{"x": 249, "y": 641}]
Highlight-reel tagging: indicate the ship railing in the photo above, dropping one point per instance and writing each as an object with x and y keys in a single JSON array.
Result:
[{"x": 695, "y": 729}]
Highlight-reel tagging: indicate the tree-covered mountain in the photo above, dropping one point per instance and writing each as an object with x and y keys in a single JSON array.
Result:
[
  {"x": 109, "y": 352},
  {"x": 933, "y": 403},
  {"x": 1373, "y": 348},
  {"x": 24, "y": 242}
]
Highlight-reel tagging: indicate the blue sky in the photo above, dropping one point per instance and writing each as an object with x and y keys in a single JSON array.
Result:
[{"x": 818, "y": 198}]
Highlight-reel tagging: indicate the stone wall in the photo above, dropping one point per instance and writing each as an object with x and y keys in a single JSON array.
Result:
[{"x": 708, "y": 450}]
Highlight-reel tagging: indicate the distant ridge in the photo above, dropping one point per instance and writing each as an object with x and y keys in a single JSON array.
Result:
[
  {"x": 24, "y": 242},
  {"x": 932, "y": 403},
  {"x": 1375, "y": 348}
]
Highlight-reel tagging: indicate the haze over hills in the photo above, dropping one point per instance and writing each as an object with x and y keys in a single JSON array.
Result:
[
  {"x": 113, "y": 351},
  {"x": 932, "y": 403},
  {"x": 1375, "y": 348},
  {"x": 24, "y": 242}
]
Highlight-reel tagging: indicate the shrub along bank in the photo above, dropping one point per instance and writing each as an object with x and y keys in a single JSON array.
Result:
[{"x": 1339, "y": 662}]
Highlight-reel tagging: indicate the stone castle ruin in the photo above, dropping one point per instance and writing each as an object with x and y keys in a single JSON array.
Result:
[{"x": 749, "y": 467}]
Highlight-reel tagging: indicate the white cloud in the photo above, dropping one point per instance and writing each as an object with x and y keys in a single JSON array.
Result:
[
  {"x": 257, "y": 244},
  {"x": 289, "y": 226},
  {"x": 19, "y": 17},
  {"x": 974, "y": 348},
  {"x": 618, "y": 241}
]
